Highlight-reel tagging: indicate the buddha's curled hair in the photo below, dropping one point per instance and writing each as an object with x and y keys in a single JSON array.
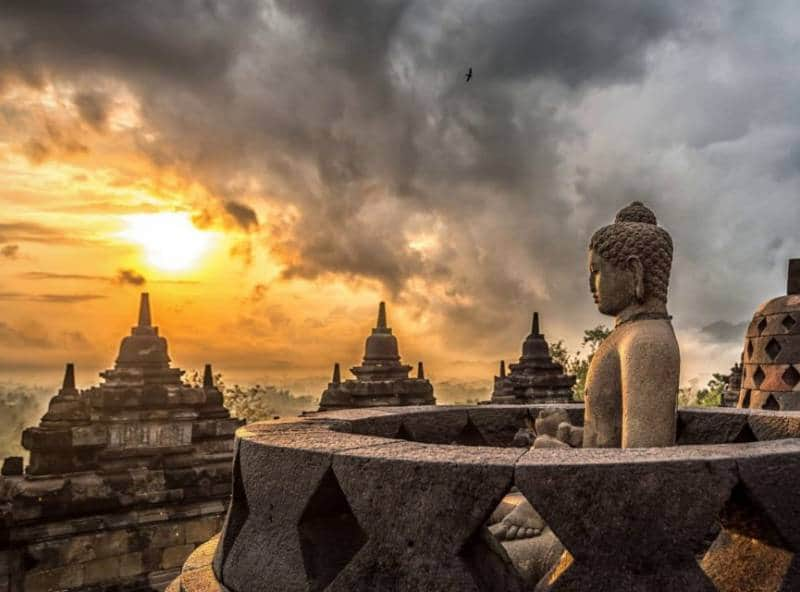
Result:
[{"x": 636, "y": 232}]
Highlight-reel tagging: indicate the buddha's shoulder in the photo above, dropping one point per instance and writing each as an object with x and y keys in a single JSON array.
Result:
[{"x": 652, "y": 332}]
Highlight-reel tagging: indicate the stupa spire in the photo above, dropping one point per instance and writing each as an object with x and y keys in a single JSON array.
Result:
[
  {"x": 144, "y": 310},
  {"x": 502, "y": 368},
  {"x": 420, "y": 371},
  {"x": 793, "y": 280},
  {"x": 535, "y": 324},
  {"x": 381, "y": 324},
  {"x": 69, "y": 377},
  {"x": 208, "y": 377},
  {"x": 337, "y": 375}
]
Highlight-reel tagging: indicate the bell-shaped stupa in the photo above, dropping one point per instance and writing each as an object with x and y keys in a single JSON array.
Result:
[
  {"x": 536, "y": 378},
  {"x": 771, "y": 356},
  {"x": 381, "y": 380}
]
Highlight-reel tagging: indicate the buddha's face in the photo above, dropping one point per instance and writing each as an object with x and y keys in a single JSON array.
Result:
[{"x": 612, "y": 286}]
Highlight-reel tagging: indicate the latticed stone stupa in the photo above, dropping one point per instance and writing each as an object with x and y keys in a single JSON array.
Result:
[
  {"x": 771, "y": 357},
  {"x": 381, "y": 380},
  {"x": 536, "y": 378}
]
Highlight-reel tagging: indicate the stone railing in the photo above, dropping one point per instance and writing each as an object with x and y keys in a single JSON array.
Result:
[{"x": 398, "y": 499}]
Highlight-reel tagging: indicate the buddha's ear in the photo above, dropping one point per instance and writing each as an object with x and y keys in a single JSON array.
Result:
[{"x": 637, "y": 269}]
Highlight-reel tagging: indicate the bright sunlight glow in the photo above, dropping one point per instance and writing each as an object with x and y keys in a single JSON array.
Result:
[{"x": 170, "y": 241}]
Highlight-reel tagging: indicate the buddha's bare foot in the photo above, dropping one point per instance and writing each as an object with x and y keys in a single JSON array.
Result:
[
  {"x": 523, "y": 522},
  {"x": 546, "y": 441}
]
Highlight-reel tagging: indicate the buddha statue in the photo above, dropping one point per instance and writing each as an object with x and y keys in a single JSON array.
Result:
[{"x": 632, "y": 381}]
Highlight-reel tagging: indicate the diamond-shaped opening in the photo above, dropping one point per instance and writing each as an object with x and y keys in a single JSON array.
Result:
[
  {"x": 788, "y": 322},
  {"x": 745, "y": 434},
  {"x": 773, "y": 348},
  {"x": 746, "y": 399},
  {"x": 790, "y": 376},
  {"x": 747, "y": 553},
  {"x": 771, "y": 403},
  {"x": 749, "y": 350},
  {"x": 238, "y": 511},
  {"x": 330, "y": 535},
  {"x": 759, "y": 376},
  {"x": 514, "y": 549},
  {"x": 762, "y": 324},
  {"x": 470, "y": 436}
]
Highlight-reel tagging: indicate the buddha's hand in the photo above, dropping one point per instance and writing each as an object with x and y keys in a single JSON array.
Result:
[
  {"x": 554, "y": 430},
  {"x": 570, "y": 434}
]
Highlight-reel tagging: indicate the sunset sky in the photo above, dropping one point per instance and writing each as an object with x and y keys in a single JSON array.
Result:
[{"x": 270, "y": 170}]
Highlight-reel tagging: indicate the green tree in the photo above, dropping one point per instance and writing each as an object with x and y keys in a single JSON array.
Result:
[
  {"x": 710, "y": 396},
  {"x": 256, "y": 402}
]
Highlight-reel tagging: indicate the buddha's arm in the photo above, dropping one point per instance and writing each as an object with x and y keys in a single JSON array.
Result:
[{"x": 649, "y": 365}]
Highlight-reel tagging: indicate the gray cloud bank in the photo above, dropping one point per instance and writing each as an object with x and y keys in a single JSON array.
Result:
[{"x": 357, "y": 115}]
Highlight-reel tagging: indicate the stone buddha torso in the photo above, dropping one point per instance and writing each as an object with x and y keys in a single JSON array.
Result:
[{"x": 644, "y": 354}]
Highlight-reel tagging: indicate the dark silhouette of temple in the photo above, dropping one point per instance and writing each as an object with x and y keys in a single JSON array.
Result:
[
  {"x": 381, "y": 379},
  {"x": 536, "y": 378},
  {"x": 124, "y": 479}
]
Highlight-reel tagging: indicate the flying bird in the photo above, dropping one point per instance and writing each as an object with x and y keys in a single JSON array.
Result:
[{"x": 468, "y": 75}]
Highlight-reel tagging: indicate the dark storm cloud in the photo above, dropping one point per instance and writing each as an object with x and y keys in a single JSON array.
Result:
[
  {"x": 724, "y": 331},
  {"x": 49, "y": 298},
  {"x": 180, "y": 41},
  {"x": 9, "y": 251},
  {"x": 29, "y": 232},
  {"x": 130, "y": 277},
  {"x": 244, "y": 215},
  {"x": 357, "y": 115},
  {"x": 46, "y": 275},
  {"x": 93, "y": 108}
]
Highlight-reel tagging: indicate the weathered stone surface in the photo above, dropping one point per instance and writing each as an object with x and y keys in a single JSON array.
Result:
[
  {"x": 701, "y": 426},
  {"x": 738, "y": 563},
  {"x": 196, "y": 574},
  {"x": 442, "y": 425},
  {"x": 175, "y": 556},
  {"x": 774, "y": 426},
  {"x": 261, "y": 534},
  {"x": 131, "y": 565},
  {"x": 498, "y": 426},
  {"x": 12, "y": 465},
  {"x": 62, "y": 578},
  {"x": 99, "y": 570},
  {"x": 404, "y": 496},
  {"x": 199, "y": 531}
]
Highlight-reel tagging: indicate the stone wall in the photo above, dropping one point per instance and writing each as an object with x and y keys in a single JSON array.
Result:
[
  {"x": 399, "y": 499},
  {"x": 143, "y": 550},
  {"x": 122, "y": 530}
]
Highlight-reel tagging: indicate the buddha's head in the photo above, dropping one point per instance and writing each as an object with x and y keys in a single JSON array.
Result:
[{"x": 629, "y": 261}]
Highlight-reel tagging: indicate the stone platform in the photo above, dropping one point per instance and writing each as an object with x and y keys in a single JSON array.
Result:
[{"x": 398, "y": 499}]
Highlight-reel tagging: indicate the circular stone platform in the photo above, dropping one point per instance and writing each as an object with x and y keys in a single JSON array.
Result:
[{"x": 398, "y": 498}]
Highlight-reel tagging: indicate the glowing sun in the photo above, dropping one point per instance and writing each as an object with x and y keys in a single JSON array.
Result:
[{"x": 170, "y": 241}]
